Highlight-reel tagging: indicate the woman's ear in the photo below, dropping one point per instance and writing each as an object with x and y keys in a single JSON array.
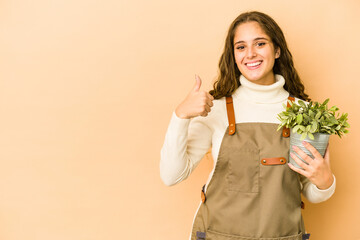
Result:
[{"x": 277, "y": 53}]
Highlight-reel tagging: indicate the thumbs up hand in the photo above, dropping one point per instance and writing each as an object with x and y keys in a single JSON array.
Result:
[{"x": 197, "y": 102}]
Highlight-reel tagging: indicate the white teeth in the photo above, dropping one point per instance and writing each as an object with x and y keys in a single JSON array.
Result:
[{"x": 253, "y": 64}]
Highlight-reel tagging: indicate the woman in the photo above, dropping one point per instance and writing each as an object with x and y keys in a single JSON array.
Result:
[{"x": 251, "y": 193}]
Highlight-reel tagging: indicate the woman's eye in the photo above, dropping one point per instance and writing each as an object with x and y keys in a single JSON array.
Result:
[
  {"x": 240, "y": 47},
  {"x": 260, "y": 44}
]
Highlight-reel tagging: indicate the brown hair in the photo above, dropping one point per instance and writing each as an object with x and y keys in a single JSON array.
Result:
[{"x": 228, "y": 79}]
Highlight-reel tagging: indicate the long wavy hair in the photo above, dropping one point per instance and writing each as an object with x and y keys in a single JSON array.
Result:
[{"x": 228, "y": 77}]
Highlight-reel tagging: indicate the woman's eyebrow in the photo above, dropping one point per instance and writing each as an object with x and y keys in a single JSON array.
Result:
[{"x": 256, "y": 39}]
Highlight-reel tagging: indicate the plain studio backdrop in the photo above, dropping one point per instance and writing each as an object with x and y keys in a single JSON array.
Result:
[{"x": 87, "y": 89}]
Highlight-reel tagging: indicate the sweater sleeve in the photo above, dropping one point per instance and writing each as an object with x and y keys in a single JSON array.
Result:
[
  {"x": 186, "y": 143},
  {"x": 313, "y": 193}
]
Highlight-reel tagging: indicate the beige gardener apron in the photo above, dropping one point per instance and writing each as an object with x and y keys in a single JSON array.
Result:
[{"x": 253, "y": 194}]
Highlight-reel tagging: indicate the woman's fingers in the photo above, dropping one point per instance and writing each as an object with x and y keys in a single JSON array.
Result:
[
  {"x": 209, "y": 101},
  {"x": 317, "y": 170},
  {"x": 313, "y": 150},
  {"x": 298, "y": 170},
  {"x": 299, "y": 161},
  {"x": 210, "y": 96},
  {"x": 204, "y": 110},
  {"x": 197, "y": 85},
  {"x": 302, "y": 154},
  {"x": 197, "y": 102},
  {"x": 207, "y": 108}
]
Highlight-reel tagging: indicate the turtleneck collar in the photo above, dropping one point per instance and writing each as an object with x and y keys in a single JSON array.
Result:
[{"x": 257, "y": 93}]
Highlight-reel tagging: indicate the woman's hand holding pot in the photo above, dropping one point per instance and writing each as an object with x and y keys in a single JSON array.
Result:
[
  {"x": 197, "y": 103},
  {"x": 316, "y": 169}
]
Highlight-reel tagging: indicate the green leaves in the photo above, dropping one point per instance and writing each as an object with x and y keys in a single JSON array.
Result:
[
  {"x": 324, "y": 104},
  {"x": 299, "y": 118},
  {"x": 314, "y": 127},
  {"x": 309, "y": 118},
  {"x": 299, "y": 129}
]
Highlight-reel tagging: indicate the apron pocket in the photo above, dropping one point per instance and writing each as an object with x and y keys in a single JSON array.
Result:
[{"x": 243, "y": 170}]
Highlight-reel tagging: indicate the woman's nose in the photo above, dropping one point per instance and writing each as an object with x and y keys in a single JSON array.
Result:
[{"x": 251, "y": 52}]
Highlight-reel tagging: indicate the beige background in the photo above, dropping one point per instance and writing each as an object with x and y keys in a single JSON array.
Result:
[{"x": 87, "y": 89}]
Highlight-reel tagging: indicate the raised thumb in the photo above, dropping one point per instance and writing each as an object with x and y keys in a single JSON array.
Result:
[{"x": 197, "y": 83}]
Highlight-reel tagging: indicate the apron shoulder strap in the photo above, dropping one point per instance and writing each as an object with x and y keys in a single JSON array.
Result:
[
  {"x": 230, "y": 115},
  {"x": 286, "y": 131}
]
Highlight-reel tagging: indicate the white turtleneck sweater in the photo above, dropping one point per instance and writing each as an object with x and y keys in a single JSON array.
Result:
[{"x": 188, "y": 140}]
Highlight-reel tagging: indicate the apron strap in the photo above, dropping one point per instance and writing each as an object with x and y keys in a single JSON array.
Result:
[
  {"x": 230, "y": 115},
  {"x": 286, "y": 131}
]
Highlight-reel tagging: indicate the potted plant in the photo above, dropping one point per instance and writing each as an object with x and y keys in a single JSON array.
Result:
[{"x": 313, "y": 122}]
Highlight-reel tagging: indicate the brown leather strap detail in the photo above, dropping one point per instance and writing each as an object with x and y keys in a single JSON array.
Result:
[
  {"x": 203, "y": 196},
  {"x": 286, "y": 131},
  {"x": 273, "y": 161},
  {"x": 230, "y": 115}
]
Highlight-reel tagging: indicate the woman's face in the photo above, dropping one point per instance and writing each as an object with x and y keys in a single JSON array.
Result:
[{"x": 254, "y": 53}]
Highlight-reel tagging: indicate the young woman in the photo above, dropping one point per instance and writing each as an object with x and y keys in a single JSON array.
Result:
[{"x": 252, "y": 192}]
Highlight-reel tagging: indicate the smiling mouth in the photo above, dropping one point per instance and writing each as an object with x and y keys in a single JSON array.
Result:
[{"x": 253, "y": 64}]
